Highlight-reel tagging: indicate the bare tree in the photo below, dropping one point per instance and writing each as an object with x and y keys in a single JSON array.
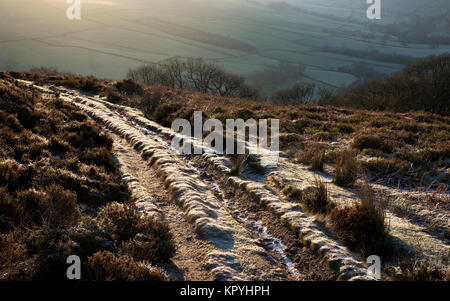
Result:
[
  {"x": 301, "y": 93},
  {"x": 201, "y": 74},
  {"x": 174, "y": 70},
  {"x": 194, "y": 74},
  {"x": 148, "y": 75}
]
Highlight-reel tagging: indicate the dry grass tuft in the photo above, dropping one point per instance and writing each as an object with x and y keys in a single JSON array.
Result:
[
  {"x": 106, "y": 266},
  {"x": 417, "y": 270},
  {"x": 314, "y": 199},
  {"x": 346, "y": 168},
  {"x": 293, "y": 193},
  {"x": 363, "y": 226},
  {"x": 238, "y": 163},
  {"x": 141, "y": 235},
  {"x": 60, "y": 207},
  {"x": 313, "y": 154},
  {"x": 317, "y": 200},
  {"x": 361, "y": 142}
]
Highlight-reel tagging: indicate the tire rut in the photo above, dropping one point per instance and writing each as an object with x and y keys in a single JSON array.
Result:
[
  {"x": 339, "y": 258},
  {"x": 191, "y": 251}
]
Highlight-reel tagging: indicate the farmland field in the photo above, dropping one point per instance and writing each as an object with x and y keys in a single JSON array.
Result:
[{"x": 242, "y": 36}]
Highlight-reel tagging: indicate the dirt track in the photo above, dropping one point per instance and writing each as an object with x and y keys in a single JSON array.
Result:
[
  {"x": 211, "y": 243},
  {"x": 225, "y": 228}
]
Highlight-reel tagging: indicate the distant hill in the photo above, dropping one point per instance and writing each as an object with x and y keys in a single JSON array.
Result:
[
  {"x": 421, "y": 7},
  {"x": 422, "y": 85}
]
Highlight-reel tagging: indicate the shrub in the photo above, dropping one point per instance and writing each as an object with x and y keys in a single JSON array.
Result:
[
  {"x": 86, "y": 135},
  {"x": 11, "y": 212},
  {"x": 157, "y": 233},
  {"x": 152, "y": 250},
  {"x": 238, "y": 163},
  {"x": 90, "y": 238},
  {"x": 424, "y": 157},
  {"x": 60, "y": 207},
  {"x": 381, "y": 121},
  {"x": 363, "y": 226},
  {"x": 289, "y": 139},
  {"x": 318, "y": 160},
  {"x": 129, "y": 87},
  {"x": 386, "y": 166},
  {"x": 58, "y": 146},
  {"x": 292, "y": 193},
  {"x": 140, "y": 251},
  {"x": 88, "y": 84},
  {"x": 414, "y": 270},
  {"x": 106, "y": 266},
  {"x": 126, "y": 223},
  {"x": 39, "y": 254},
  {"x": 120, "y": 220},
  {"x": 15, "y": 176},
  {"x": 99, "y": 156},
  {"x": 368, "y": 141},
  {"x": 244, "y": 114},
  {"x": 150, "y": 102},
  {"x": 346, "y": 168},
  {"x": 35, "y": 150},
  {"x": 11, "y": 122},
  {"x": 52, "y": 249},
  {"x": 113, "y": 96},
  {"x": 29, "y": 201},
  {"x": 44, "y": 173},
  {"x": 163, "y": 112},
  {"x": 317, "y": 200},
  {"x": 255, "y": 166},
  {"x": 72, "y": 162},
  {"x": 345, "y": 128},
  {"x": 75, "y": 115},
  {"x": 277, "y": 182},
  {"x": 313, "y": 154},
  {"x": 322, "y": 136},
  {"x": 11, "y": 251},
  {"x": 372, "y": 152}
]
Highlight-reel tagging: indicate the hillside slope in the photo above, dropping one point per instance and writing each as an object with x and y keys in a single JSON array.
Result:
[
  {"x": 422, "y": 85},
  {"x": 62, "y": 194},
  {"x": 257, "y": 206}
]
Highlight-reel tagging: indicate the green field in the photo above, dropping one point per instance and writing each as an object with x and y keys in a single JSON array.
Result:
[{"x": 242, "y": 36}]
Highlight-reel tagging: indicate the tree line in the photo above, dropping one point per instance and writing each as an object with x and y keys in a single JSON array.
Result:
[
  {"x": 199, "y": 75},
  {"x": 194, "y": 74},
  {"x": 422, "y": 85}
]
